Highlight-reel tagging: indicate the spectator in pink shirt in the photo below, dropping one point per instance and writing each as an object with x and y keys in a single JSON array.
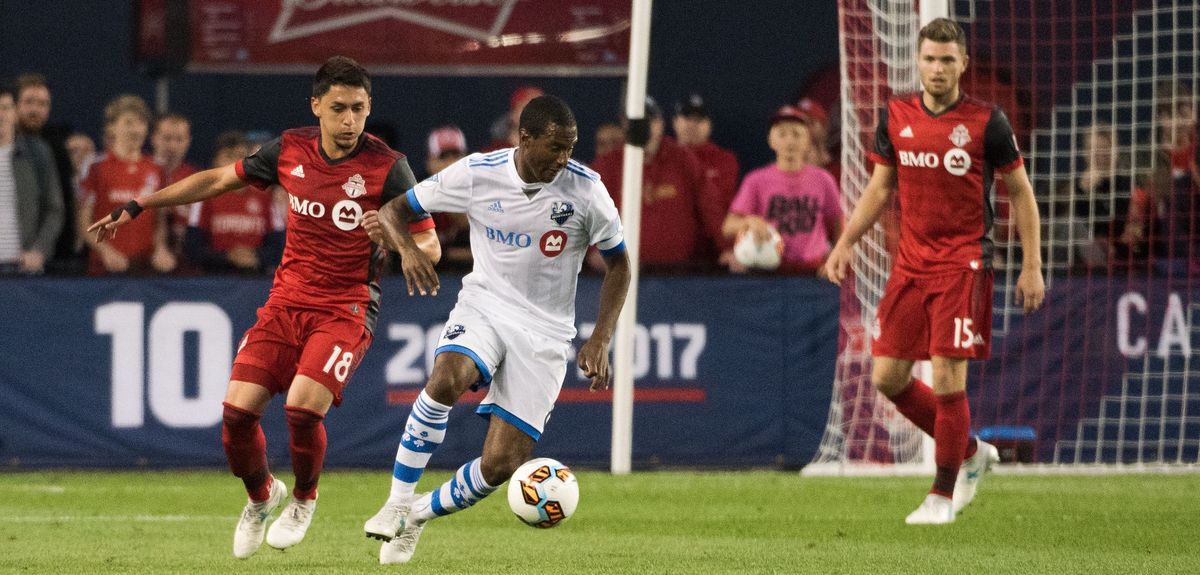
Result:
[{"x": 794, "y": 197}]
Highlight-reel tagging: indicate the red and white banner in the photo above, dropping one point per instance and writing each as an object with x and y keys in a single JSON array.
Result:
[{"x": 435, "y": 37}]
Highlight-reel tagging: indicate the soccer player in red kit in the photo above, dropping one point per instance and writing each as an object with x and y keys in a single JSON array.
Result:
[
  {"x": 319, "y": 318},
  {"x": 940, "y": 148}
]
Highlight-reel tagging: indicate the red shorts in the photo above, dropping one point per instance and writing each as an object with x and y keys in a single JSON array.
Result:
[
  {"x": 948, "y": 315},
  {"x": 288, "y": 341}
]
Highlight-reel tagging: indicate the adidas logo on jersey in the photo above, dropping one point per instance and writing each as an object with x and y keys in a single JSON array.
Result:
[
  {"x": 906, "y": 132},
  {"x": 298, "y": 171},
  {"x": 496, "y": 207}
]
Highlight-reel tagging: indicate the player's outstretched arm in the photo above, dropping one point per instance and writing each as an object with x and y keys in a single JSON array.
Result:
[
  {"x": 194, "y": 188},
  {"x": 593, "y": 356},
  {"x": 1031, "y": 287},
  {"x": 870, "y": 205},
  {"x": 388, "y": 227}
]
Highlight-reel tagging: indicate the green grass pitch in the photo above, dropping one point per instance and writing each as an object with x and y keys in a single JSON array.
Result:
[{"x": 659, "y": 522}]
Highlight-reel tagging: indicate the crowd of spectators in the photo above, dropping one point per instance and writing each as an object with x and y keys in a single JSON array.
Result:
[
  {"x": 1126, "y": 210},
  {"x": 1132, "y": 207}
]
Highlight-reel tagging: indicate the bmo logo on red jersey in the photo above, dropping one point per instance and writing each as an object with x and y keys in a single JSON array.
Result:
[
  {"x": 918, "y": 159},
  {"x": 957, "y": 161},
  {"x": 345, "y": 214}
]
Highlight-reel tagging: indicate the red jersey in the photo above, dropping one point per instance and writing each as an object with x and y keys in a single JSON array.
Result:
[
  {"x": 111, "y": 182},
  {"x": 945, "y": 167},
  {"x": 236, "y": 219},
  {"x": 178, "y": 220},
  {"x": 720, "y": 167},
  {"x": 329, "y": 263},
  {"x": 681, "y": 214}
]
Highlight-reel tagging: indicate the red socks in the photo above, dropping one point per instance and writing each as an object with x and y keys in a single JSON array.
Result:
[
  {"x": 246, "y": 450},
  {"x": 950, "y": 429},
  {"x": 918, "y": 403},
  {"x": 307, "y": 432}
]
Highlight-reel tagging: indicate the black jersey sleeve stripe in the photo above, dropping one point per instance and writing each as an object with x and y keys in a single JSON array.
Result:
[
  {"x": 999, "y": 142},
  {"x": 399, "y": 180},
  {"x": 262, "y": 167},
  {"x": 883, "y": 148}
]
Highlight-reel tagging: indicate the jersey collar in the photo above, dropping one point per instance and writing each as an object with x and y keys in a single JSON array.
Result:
[
  {"x": 362, "y": 140},
  {"x": 961, "y": 96},
  {"x": 528, "y": 189}
]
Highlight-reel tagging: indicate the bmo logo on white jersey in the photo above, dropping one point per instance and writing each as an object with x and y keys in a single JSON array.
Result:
[
  {"x": 918, "y": 159},
  {"x": 346, "y": 214},
  {"x": 552, "y": 243},
  {"x": 513, "y": 239}
]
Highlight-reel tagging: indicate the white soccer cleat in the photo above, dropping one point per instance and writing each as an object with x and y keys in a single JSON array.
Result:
[
  {"x": 389, "y": 521},
  {"x": 248, "y": 536},
  {"x": 401, "y": 548},
  {"x": 935, "y": 510},
  {"x": 292, "y": 524},
  {"x": 971, "y": 474}
]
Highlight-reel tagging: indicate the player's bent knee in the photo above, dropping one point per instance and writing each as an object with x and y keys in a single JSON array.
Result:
[
  {"x": 453, "y": 373},
  {"x": 890, "y": 386}
]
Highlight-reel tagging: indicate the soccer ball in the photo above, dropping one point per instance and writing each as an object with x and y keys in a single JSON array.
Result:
[
  {"x": 543, "y": 492},
  {"x": 752, "y": 254}
]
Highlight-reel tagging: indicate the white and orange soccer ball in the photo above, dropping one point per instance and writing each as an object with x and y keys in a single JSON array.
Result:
[
  {"x": 748, "y": 251},
  {"x": 543, "y": 492}
]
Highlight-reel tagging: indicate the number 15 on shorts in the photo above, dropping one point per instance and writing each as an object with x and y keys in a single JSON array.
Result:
[
  {"x": 342, "y": 368},
  {"x": 964, "y": 337}
]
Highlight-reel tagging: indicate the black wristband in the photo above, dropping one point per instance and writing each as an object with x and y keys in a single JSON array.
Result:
[{"x": 132, "y": 208}]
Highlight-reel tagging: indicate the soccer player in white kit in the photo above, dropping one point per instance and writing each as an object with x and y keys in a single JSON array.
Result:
[{"x": 533, "y": 213}]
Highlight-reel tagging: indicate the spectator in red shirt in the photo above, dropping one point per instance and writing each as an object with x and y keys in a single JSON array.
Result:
[
  {"x": 240, "y": 231},
  {"x": 609, "y": 136},
  {"x": 170, "y": 139},
  {"x": 122, "y": 174},
  {"x": 447, "y": 145},
  {"x": 681, "y": 213},
  {"x": 505, "y": 130},
  {"x": 693, "y": 129}
]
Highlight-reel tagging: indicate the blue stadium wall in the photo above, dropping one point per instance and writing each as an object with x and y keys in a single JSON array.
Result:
[{"x": 131, "y": 373}]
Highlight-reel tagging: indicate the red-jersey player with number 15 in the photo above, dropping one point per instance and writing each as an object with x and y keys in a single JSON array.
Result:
[
  {"x": 940, "y": 148},
  {"x": 319, "y": 318}
]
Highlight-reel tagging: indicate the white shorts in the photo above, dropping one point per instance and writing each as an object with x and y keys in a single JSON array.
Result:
[{"x": 523, "y": 370}]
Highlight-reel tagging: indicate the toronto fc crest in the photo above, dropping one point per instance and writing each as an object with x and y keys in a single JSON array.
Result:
[{"x": 355, "y": 186}]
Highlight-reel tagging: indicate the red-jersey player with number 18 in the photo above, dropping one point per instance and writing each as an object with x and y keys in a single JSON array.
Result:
[
  {"x": 317, "y": 322},
  {"x": 940, "y": 149}
]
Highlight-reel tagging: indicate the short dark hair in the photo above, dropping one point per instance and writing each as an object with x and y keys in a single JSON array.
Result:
[
  {"x": 542, "y": 111},
  {"x": 170, "y": 117},
  {"x": 231, "y": 139},
  {"x": 6, "y": 88},
  {"x": 340, "y": 70},
  {"x": 30, "y": 80},
  {"x": 942, "y": 30}
]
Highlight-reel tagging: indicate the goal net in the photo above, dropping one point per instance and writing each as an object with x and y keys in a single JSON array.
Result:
[{"x": 1102, "y": 98}]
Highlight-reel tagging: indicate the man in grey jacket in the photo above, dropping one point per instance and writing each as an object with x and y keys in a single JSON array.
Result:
[{"x": 31, "y": 203}]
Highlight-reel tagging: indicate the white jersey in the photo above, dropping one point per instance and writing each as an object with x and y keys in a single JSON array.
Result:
[{"x": 528, "y": 240}]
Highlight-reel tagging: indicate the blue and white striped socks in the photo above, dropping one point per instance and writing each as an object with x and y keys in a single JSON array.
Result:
[
  {"x": 423, "y": 433},
  {"x": 465, "y": 489}
]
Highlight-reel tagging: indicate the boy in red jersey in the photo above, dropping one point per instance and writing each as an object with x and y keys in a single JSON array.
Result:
[
  {"x": 240, "y": 231},
  {"x": 319, "y": 319},
  {"x": 939, "y": 149},
  {"x": 119, "y": 176}
]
